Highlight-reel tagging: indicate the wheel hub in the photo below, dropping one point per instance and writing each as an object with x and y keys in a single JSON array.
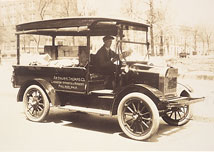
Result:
[
  {"x": 135, "y": 117},
  {"x": 34, "y": 101}
]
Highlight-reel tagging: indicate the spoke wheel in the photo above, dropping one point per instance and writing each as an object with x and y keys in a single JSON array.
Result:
[
  {"x": 178, "y": 116},
  {"x": 36, "y": 103},
  {"x": 138, "y": 116}
]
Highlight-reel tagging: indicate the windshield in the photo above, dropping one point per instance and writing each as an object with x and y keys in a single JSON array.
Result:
[{"x": 135, "y": 42}]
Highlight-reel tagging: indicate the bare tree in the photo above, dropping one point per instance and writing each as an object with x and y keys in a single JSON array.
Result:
[
  {"x": 186, "y": 38},
  {"x": 7, "y": 32},
  {"x": 156, "y": 18},
  {"x": 129, "y": 10},
  {"x": 42, "y": 9},
  {"x": 69, "y": 8},
  {"x": 208, "y": 40},
  {"x": 195, "y": 38},
  {"x": 86, "y": 10},
  {"x": 160, "y": 30},
  {"x": 206, "y": 35},
  {"x": 151, "y": 20},
  {"x": 1, "y": 34},
  {"x": 203, "y": 40},
  {"x": 66, "y": 6}
]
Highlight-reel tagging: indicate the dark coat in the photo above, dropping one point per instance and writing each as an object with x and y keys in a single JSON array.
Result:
[{"x": 103, "y": 60}]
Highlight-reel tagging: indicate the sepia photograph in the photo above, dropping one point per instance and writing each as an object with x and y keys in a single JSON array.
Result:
[{"x": 106, "y": 75}]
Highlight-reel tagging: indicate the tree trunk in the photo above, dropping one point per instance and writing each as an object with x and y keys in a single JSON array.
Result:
[
  {"x": 151, "y": 27},
  {"x": 152, "y": 40}
]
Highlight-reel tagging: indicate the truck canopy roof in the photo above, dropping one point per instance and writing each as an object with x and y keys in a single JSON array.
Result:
[{"x": 81, "y": 26}]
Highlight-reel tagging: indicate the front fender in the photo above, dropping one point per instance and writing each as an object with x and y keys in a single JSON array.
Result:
[
  {"x": 187, "y": 91},
  {"x": 45, "y": 85},
  {"x": 151, "y": 92},
  {"x": 184, "y": 90}
]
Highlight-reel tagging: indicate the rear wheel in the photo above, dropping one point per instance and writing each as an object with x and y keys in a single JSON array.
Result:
[
  {"x": 36, "y": 103},
  {"x": 138, "y": 116}
]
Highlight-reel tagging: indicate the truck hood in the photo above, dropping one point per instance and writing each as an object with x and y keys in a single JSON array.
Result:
[{"x": 163, "y": 71}]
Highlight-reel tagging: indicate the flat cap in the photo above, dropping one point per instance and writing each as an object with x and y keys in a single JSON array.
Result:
[{"x": 108, "y": 37}]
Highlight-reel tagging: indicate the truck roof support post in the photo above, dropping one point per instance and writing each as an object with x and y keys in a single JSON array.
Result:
[
  {"x": 54, "y": 47},
  {"x": 89, "y": 60},
  {"x": 53, "y": 40},
  {"x": 147, "y": 41},
  {"x": 147, "y": 44},
  {"x": 18, "y": 49}
]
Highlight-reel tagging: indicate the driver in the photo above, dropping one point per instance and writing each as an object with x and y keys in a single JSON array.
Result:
[{"x": 105, "y": 58}]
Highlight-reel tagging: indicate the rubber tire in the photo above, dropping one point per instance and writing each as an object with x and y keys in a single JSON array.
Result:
[
  {"x": 180, "y": 122},
  {"x": 45, "y": 102},
  {"x": 153, "y": 109}
]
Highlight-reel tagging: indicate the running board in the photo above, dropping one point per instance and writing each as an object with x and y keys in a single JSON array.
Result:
[
  {"x": 102, "y": 92},
  {"x": 87, "y": 110}
]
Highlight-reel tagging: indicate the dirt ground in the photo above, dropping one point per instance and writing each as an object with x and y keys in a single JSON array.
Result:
[
  {"x": 65, "y": 131},
  {"x": 202, "y": 67}
]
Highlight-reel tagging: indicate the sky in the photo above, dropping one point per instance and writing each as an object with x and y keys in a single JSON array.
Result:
[
  {"x": 183, "y": 12},
  {"x": 192, "y": 12}
]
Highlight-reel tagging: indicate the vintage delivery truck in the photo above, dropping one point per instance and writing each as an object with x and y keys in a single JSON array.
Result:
[{"x": 142, "y": 92}]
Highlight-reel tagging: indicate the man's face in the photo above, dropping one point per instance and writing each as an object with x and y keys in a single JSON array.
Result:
[{"x": 108, "y": 43}]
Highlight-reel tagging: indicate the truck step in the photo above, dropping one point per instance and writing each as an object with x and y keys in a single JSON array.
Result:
[
  {"x": 87, "y": 110},
  {"x": 104, "y": 91}
]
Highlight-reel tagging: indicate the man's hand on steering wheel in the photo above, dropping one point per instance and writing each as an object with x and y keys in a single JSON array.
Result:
[
  {"x": 125, "y": 54},
  {"x": 114, "y": 59}
]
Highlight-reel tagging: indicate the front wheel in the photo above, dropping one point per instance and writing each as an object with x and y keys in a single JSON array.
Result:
[
  {"x": 138, "y": 116},
  {"x": 36, "y": 103},
  {"x": 178, "y": 116}
]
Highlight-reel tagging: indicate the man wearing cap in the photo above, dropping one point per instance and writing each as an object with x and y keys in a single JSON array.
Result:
[{"x": 105, "y": 58}]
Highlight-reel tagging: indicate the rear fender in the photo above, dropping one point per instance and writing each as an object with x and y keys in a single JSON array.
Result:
[
  {"x": 45, "y": 85},
  {"x": 151, "y": 92}
]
